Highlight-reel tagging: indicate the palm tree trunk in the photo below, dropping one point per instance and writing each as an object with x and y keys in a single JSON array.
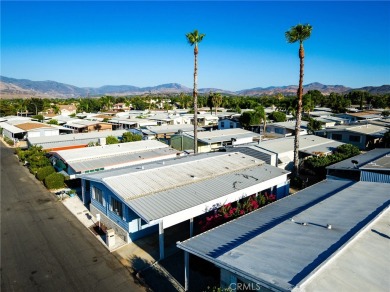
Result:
[
  {"x": 195, "y": 95},
  {"x": 299, "y": 111}
]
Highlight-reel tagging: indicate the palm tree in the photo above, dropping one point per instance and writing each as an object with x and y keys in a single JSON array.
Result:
[
  {"x": 216, "y": 99},
  {"x": 298, "y": 33},
  {"x": 261, "y": 116},
  {"x": 194, "y": 38}
]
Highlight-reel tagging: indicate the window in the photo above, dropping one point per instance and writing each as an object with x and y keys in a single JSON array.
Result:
[
  {"x": 222, "y": 124},
  {"x": 231, "y": 125},
  {"x": 354, "y": 138},
  {"x": 116, "y": 207},
  {"x": 279, "y": 130},
  {"x": 337, "y": 137},
  {"x": 98, "y": 195}
]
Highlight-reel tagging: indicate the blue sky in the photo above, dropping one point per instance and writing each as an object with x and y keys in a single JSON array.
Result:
[{"x": 97, "y": 43}]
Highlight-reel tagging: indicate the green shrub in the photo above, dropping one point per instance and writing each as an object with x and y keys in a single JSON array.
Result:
[
  {"x": 9, "y": 141},
  {"x": 54, "y": 181},
  {"x": 130, "y": 137},
  {"x": 53, "y": 122},
  {"x": 296, "y": 182},
  {"x": 44, "y": 172},
  {"x": 111, "y": 140}
]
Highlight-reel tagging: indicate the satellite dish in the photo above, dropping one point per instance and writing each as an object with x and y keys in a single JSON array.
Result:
[{"x": 355, "y": 163}]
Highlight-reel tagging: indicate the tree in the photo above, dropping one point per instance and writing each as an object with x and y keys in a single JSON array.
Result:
[
  {"x": 194, "y": 38},
  {"x": 130, "y": 137},
  {"x": 35, "y": 105},
  {"x": 277, "y": 117},
  {"x": 216, "y": 99},
  {"x": 111, "y": 140},
  {"x": 313, "y": 125},
  {"x": 247, "y": 119},
  {"x": 40, "y": 118},
  {"x": 184, "y": 100},
  {"x": 260, "y": 115},
  {"x": 299, "y": 33},
  {"x": 307, "y": 104},
  {"x": 53, "y": 122}
]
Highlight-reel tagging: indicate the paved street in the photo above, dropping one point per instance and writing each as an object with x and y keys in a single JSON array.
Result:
[{"x": 43, "y": 246}]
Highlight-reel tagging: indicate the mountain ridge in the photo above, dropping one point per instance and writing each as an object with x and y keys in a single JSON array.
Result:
[{"x": 12, "y": 86}]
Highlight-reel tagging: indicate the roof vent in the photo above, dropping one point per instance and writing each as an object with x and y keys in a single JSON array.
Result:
[
  {"x": 193, "y": 176},
  {"x": 305, "y": 223},
  {"x": 142, "y": 167},
  {"x": 329, "y": 226}
]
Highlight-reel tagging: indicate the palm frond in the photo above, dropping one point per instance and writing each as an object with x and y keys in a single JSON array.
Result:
[
  {"x": 300, "y": 32},
  {"x": 194, "y": 37}
]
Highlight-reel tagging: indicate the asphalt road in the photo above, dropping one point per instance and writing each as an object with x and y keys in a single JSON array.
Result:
[{"x": 43, "y": 246}]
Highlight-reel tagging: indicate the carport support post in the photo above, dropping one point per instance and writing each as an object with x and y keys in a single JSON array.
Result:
[
  {"x": 186, "y": 271},
  {"x": 191, "y": 227},
  {"x": 161, "y": 239}
]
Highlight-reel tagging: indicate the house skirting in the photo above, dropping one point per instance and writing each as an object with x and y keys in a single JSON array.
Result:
[{"x": 119, "y": 231}]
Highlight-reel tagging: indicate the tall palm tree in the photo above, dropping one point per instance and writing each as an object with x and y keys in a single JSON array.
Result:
[
  {"x": 194, "y": 38},
  {"x": 216, "y": 100},
  {"x": 261, "y": 116},
  {"x": 299, "y": 33}
]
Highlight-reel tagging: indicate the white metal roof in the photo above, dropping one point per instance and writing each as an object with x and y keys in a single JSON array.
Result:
[
  {"x": 74, "y": 137},
  {"x": 224, "y": 135},
  {"x": 169, "y": 202},
  {"x": 11, "y": 128},
  {"x": 81, "y": 123},
  {"x": 136, "y": 182},
  {"x": 290, "y": 125},
  {"x": 171, "y": 128},
  {"x": 273, "y": 247},
  {"x": 147, "y": 181},
  {"x": 361, "y": 159},
  {"x": 363, "y": 266},
  {"x": 322, "y": 149},
  {"x": 282, "y": 145},
  {"x": 87, "y": 153},
  {"x": 367, "y": 129}
]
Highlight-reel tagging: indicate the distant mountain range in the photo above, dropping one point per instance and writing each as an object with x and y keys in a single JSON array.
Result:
[{"x": 11, "y": 87}]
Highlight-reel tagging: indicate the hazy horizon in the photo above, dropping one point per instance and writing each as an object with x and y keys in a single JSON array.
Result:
[{"x": 92, "y": 44}]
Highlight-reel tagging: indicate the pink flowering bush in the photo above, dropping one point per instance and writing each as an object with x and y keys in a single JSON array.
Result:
[{"x": 233, "y": 210}]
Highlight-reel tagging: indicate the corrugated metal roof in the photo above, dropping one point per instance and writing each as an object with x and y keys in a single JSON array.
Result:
[
  {"x": 123, "y": 159},
  {"x": 147, "y": 181},
  {"x": 11, "y": 128},
  {"x": 267, "y": 247},
  {"x": 253, "y": 151},
  {"x": 290, "y": 125},
  {"x": 224, "y": 135},
  {"x": 322, "y": 149},
  {"x": 72, "y": 139},
  {"x": 82, "y": 154},
  {"x": 282, "y": 145},
  {"x": 362, "y": 159},
  {"x": 171, "y": 128},
  {"x": 164, "y": 203}
]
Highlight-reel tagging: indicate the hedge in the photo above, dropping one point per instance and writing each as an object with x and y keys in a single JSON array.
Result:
[
  {"x": 54, "y": 181},
  {"x": 44, "y": 172}
]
